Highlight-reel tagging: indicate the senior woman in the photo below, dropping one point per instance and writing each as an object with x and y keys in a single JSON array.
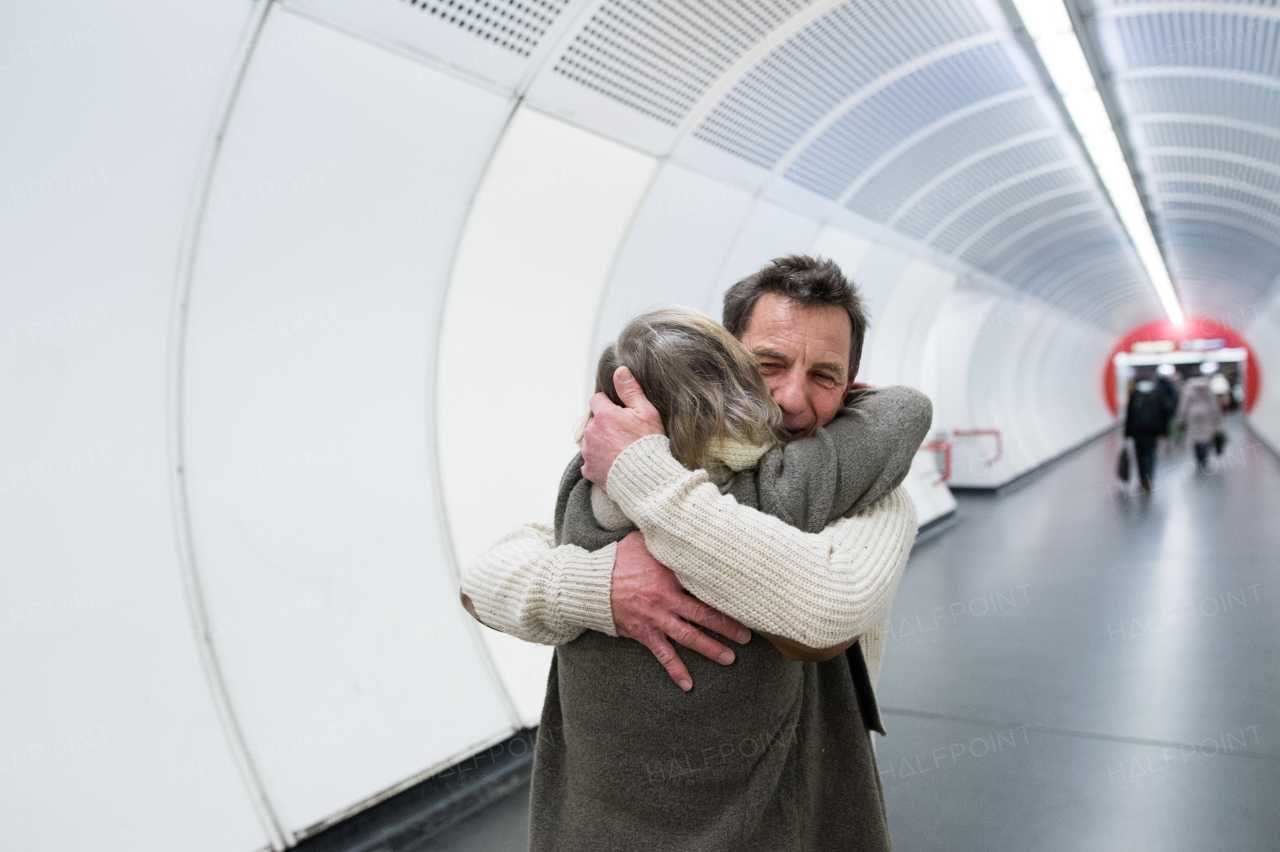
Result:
[
  {"x": 627, "y": 760},
  {"x": 1201, "y": 415}
]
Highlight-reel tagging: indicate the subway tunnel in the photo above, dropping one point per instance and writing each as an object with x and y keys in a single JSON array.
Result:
[{"x": 302, "y": 305}]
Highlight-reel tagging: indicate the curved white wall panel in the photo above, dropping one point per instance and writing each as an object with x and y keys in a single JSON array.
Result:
[
  {"x": 904, "y": 315},
  {"x": 1264, "y": 339},
  {"x": 108, "y": 738},
  {"x": 769, "y": 231},
  {"x": 1031, "y": 374},
  {"x": 338, "y": 198},
  {"x": 876, "y": 275},
  {"x": 901, "y": 334},
  {"x": 1083, "y": 349},
  {"x": 961, "y": 318},
  {"x": 848, "y": 250},
  {"x": 675, "y": 248},
  {"x": 516, "y": 354}
]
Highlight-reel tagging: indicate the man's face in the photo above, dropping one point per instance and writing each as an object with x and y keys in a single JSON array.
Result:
[{"x": 803, "y": 353}]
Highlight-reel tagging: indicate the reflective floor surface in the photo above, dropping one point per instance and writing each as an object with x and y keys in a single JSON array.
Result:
[{"x": 1074, "y": 667}]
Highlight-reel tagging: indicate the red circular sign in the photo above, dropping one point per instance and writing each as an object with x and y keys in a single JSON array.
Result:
[{"x": 1193, "y": 328}]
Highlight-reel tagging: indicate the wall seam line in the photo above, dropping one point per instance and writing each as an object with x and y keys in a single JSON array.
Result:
[
  {"x": 433, "y": 436},
  {"x": 278, "y": 835}
]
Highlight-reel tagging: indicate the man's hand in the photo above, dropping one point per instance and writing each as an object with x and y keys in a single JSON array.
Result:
[
  {"x": 649, "y": 605},
  {"x": 613, "y": 428}
]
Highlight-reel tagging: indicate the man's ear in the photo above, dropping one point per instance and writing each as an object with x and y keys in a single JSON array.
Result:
[{"x": 848, "y": 389}]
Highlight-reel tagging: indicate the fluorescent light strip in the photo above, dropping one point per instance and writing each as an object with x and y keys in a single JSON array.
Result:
[{"x": 1049, "y": 26}]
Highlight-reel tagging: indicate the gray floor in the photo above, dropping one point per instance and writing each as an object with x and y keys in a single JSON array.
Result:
[{"x": 1076, "y": 668}]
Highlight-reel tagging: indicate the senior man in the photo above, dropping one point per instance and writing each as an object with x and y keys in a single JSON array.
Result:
[{"x": 701, "y": 558}]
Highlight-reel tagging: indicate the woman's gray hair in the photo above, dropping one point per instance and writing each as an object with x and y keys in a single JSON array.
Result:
[{"x": 701, "y": 379}]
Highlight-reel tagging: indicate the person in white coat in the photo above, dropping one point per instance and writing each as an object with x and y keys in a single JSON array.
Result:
[{"x": 1201, "y": 414}]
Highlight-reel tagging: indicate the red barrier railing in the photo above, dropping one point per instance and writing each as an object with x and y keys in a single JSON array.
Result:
[
  {"x": 970, "y": 433},
  {"x": 941, "y": 445}
]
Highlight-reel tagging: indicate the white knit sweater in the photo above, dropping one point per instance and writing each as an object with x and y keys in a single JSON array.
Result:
[{"x": 821, "y": 590}]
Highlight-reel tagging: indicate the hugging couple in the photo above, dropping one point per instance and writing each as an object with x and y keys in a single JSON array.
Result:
[{"x": 730, "y": 478}]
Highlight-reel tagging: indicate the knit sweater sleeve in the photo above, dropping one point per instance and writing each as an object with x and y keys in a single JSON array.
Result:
[
  {"x": 872, "y": 643},
  {"x": 526, "y": 587},
  {"x": 819, "y": 589},
  {"x": 864, "y": 453}
]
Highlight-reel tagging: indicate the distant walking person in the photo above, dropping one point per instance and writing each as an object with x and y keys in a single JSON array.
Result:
[
  {"x": 1202, "y": 414},
  {"x": 1146, "y": 418},
  {"x": 1168, "y": 393}
]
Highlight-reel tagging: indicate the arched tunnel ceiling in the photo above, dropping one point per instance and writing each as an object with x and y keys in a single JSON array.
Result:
[
  {"x": 923, "y": 117},
  {"x": 1199, "y": 86}
]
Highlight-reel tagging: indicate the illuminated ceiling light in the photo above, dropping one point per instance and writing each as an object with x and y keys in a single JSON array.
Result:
[{"x": 1049, "y": 26}]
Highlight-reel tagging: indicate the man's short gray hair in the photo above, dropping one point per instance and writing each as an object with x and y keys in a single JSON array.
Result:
[{"x": 806, "y": 281}]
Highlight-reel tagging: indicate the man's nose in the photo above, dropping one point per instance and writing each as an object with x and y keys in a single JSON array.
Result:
[{"x": 789, "y": 394}]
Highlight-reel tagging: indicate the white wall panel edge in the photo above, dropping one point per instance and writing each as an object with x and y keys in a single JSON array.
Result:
[
  {"x": 390, "y": 743},
  {"x": 545, "y": 110},
  {"x": 683, "y": 226},
  {"x": 433, "y": 456},
  {"x": 279, "y": 837},
  {"x": 733, "y": 243},
  {"x": 601, "y": 303},
  {"x": 514, "y": 279},
  {"x": 404, "y": 50},
  {"x": 433, "y": 444},
  {"x": 438, "y": 766},
  {"x": 1263, "y": 335},
  {"x": 765, "y": 232},
  {"x": 547, "y": 51},
  {"x": 1032, "y": 437}
]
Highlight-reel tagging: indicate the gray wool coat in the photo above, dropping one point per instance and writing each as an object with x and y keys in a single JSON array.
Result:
[
  {"x": 763, "y": 754},
  {"x": 1200, "y": 411}
]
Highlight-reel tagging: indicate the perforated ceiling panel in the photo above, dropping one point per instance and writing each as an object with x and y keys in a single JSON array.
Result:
[
  {"x": 1200, "y": 88},
  {"x": 1238, "y": 143},
  {"x": 1001, "y": 231},
  {"x": 956, "y": 148},
  {"x": 919, "y": 116},
  {"x": 915, "y": 114},
  {"x": 516, "y": 25},
  {"x": 499, "y": 42},
  {"x": 865, "y": 133},
  {"x": 977, "y": 211},
  {"x": 887, "y": 192},
  {"x": 1230, "y": 37},
  {"x": 659, "y": 56},
  {"x": 1251, "y": 101},
  {"x": 841, "y": 53}
]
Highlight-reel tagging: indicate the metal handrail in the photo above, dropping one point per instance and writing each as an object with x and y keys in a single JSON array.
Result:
[
  {"x": 969, "y": 433},
  {"x": 940, "y": 445}
]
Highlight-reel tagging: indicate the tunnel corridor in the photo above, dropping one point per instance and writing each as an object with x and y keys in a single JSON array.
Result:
[{"x": 301, "y": 303}]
